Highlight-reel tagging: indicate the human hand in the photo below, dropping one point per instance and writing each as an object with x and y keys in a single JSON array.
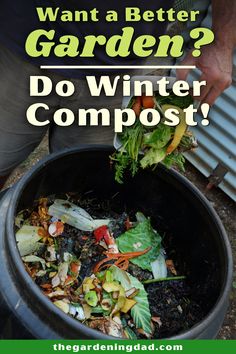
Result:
[{"x": 216, "y": 64}]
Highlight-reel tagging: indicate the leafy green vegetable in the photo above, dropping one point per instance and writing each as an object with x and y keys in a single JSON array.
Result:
[
  {"x": 140, "y": 217},
  {"x": 145, "y": 147},
  {"x": 122, "y": 163},
  {"x": 159, "y": 137},
  {"x": 187, "y": 142},
  {"x": 128, "y": 156},
  {"x": 134, "y": 141},
  {"x": 152, "y": 157},
  {"x": 138, "y": 239},
  {"x": 140, "y": 312},
  {"x": 181, "y": 102},
  {"x": 175, "y": 159}
]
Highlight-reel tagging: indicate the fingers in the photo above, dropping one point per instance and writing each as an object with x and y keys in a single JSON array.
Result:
[
  {"x": 212, "y": 95},
  {"x": 216, "y": 90},
  {"x": 217, "y": 82},
  {"x": 204, "y": 90},
  {"x": 215, "y": 71},
  {"x": 182, "y": 74}
]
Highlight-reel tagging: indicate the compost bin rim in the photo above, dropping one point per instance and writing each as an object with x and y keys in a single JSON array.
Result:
[{"x": 199, "y": 327}]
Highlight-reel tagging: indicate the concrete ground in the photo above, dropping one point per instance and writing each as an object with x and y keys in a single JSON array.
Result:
[{"x": 224, "y": 206}]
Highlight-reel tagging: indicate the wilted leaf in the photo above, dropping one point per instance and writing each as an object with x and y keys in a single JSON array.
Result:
[
  {"x": 139, "y": 312},
  {"x": 35, "y": 259},
  {"x": 28, "y": 239},
  {"x": 73, "y": 215},
  {"x": 140, "y": 238}
]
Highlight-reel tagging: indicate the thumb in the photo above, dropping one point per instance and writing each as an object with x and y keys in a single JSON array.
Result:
[{"x": 182, "y": 73}]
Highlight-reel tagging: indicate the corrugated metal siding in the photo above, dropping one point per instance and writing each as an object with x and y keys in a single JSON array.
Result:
[{"x": 217, "y": 142}]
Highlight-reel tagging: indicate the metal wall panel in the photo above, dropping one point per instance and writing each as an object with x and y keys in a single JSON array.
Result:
[{"x": 217, "y": 142}]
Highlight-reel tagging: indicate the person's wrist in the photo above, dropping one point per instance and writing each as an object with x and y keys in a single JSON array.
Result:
[{"x": 226, "y": 42}]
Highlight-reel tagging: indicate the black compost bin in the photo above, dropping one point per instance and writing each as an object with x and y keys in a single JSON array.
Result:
[{"x": 173, "y": 203}]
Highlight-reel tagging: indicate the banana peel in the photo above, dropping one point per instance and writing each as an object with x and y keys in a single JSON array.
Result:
[
  {"x": 179, "y": 131},
  {"x": 88, "y": 285},
  {"x": 129, "y": 303}
]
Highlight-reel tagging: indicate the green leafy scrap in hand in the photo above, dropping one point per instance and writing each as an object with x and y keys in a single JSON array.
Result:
[
  {"x": 153, "y": 157},
  {"x": 143, "y": 147},
  {"x": 181, "y": 102},
  {"x": 175, "y": 159},
  {"x": 159, "y": 137}
]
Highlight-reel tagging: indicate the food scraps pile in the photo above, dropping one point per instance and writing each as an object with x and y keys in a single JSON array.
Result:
[
  {"x": 142, "y": 147},
  {"x": 111, "y": 274}
]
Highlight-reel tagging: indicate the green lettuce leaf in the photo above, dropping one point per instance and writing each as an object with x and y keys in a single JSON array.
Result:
[
  {"x": 152, "y": 157},
  {"x": 140, "y": 312},
  {"x": 159, "y": 138},
  {"x": 138, "y": 239}
]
